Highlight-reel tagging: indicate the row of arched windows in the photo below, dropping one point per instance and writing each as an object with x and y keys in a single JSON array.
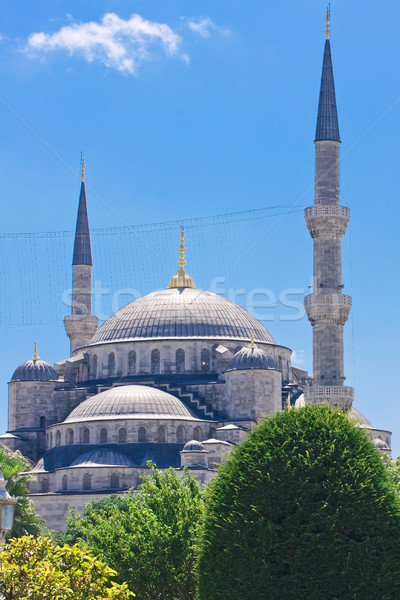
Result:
[
  {"x": 86, "y": 438},
  {"x": 155, "y": 362},
  {"x": 114, "y": 482}
]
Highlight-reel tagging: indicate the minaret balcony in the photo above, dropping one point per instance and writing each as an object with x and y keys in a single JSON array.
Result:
[
  {"x": 327, "y": 309},
  {"x": 339, "y": 396},
  {"x": 327, "y": 221}
]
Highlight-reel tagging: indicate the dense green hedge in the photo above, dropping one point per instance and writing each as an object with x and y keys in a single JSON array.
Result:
[{"x": 303, "y": 509}]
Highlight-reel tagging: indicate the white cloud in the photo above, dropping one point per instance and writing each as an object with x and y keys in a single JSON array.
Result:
[
  {"x": 117, "y": 43},
  {"x": 204, "y": 26},
  {"x": 298, "y": 358}
]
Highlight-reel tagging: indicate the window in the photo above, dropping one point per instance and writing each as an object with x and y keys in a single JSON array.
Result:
[
  {"x": 70, "y": 437},
  {"x": 205, "y": 360},
  {"x": 103, "y": 436},
  {"x": 44, "y": 484},
  {"x": 180, "y": 360},
  {"x": 64, "y": 482},
  {"x": 155, "y": 361},
  {"x": 196, "y": 433},
  {"x": 122, "y": 436},
  {"x": 43, "y": 422},
  {"x": 94, "y": 366},
  {"x": 213, "y": 432},
  {"x": 114, "y": 481},
  {"x": 161, "y": 434},
  {"x": 142, "y": 434},
  {"x": 87, "y": 481},
  {"x": 111, "y": 364},
  {"x": 58, "y": 438},
  {"x": 85, "y": 436},
  {"x": 280, "y": 362},
  {"x": 180, "y": 435},
  {"x": 132, "y": 362},
  {"x": 51, "y": 439}
]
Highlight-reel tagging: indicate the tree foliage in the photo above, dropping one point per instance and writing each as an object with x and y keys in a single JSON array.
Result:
[
  {"x": 15, "y": 467},
  {"x": 148, "y": 536},
  {"x": 36, "y": 569},
  {"x": 303, "y": 509}
]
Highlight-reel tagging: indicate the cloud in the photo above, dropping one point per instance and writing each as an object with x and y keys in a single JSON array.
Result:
[
  {"x": 117, "y": 43},
  {"x": 204, "y": 26},
  {"x": 298, "y": 358}
]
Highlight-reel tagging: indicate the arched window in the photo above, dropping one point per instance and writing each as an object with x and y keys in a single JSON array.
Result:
[
  {"x": 161, "y": 434},
  {"x": 180, "y": 435},
  {"x": 196, "y": 433},
  {"x": 142, "y": 434},
  {"x": 280, "y": 363},
  {"x": 45, "y": 486},
  {"x": 103, "y": 436},
  {"x": 111, "y": 364},
  {"x": 43, "y": 422},
  {"x": 132, "y": 362},
  {"x": 114, "y": 481},
  {"x": 51, "y": 439},
  {"x": 155, "y": 361},
  {"x": 87, "y": 481},
  {"x": 70, "y": 437},
  {"x": 85, "y": 436},
  {"x": 213, "y": 432},
  {"x": 205, "y": 360},
  {"x": 180, "y": 360},
  {"x": 122, "y": 436},
  {"x": 64, "y": 482},
  {"x": 94, "y": 366},
  {"x": 58, "y": 438}
]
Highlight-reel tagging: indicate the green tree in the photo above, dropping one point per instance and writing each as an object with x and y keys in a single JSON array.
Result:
[
  {"x": 148, "y": 536},
  {"x": 303, "y": 509},
  {"x": 393, "y": 468},
  {"x": 15, "y": 467},
  {"x": 36, "y": 569}
]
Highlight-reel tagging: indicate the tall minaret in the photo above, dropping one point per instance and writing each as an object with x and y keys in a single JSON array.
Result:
[
  {"x": 327, "y": 308},
  {"x": 81, "y": 325}
]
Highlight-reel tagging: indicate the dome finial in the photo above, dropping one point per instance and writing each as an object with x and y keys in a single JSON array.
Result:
[
  {"x": 35, "y": 356},
  {"x": 181, "y": 279},
  {"x": 83, "y": 167},
  {"x": 252, "y": 342},
  {"x": 328, "y": 21}
]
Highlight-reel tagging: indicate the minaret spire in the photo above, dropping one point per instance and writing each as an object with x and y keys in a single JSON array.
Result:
[
  {"x": 181, "y": 279},
  {"x": 81, "y": 325},
  {"x": 327, "y": 307}
]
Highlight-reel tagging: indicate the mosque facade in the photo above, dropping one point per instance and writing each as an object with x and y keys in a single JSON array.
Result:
[{"x": 179, "y": 376}]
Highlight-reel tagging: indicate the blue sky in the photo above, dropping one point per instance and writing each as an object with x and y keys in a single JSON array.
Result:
[{"x": 190, "y": 110}]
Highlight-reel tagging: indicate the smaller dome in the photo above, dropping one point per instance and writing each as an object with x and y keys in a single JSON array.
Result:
[
  {"x": 193, "y": 446},
  {"x": 35, "y": 370},
  {"x": 251, "y": 358},
  {"x": 102, "y": 457}
]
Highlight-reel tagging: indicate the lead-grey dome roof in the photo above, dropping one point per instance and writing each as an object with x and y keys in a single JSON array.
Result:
[
  {"x": 193, "y": 446},
  {"x": 102, "y": 457},
  {"x": 130, "y": 401},
  {"x": 35, "y": 370},
  {"x": 251, "y": 358},
  {"x": 181, "y": 313}
]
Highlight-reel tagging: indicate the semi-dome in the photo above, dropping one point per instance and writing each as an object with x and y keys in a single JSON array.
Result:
[
  {"x": 193, "y": 446},
  {"x": 35, "y": 370},
  {"x": 181, "y": 313},
  {"x": 130, "y": 401},
  {"x": 251, "y": 358},
  {"x": 102, "y": 457}
]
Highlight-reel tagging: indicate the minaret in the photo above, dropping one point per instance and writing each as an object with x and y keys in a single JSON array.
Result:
[
  {"x": 81, "y": 325},
  {"x": 327, "y": 307}
]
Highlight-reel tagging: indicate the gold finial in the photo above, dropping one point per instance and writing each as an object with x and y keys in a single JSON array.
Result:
[
  {"x": 83, "y": 167},
  {"x": 181, "y": 279},
  {"x": 252, "y": 342},
  {"x": 35, "y": 356},
  {"x": 328, "y": 21}
]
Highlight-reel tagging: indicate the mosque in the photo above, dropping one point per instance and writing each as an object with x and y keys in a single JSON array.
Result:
[{"x": 179, "y": 376}]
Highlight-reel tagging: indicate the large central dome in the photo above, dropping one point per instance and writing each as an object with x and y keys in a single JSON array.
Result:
[{"x": 181, "y": 313}]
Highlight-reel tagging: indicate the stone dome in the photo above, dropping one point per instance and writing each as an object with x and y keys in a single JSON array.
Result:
[
  {"x": 35, "y": 370},
  {"x": 130, "y": 401},
  {"x": 102, "y": 457},
  {"x": 251, "y": 358},
  {"x": 181, "y": 313},
  {"x": 193, "y": 446},
  {"x": 379, "y": 443}
]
